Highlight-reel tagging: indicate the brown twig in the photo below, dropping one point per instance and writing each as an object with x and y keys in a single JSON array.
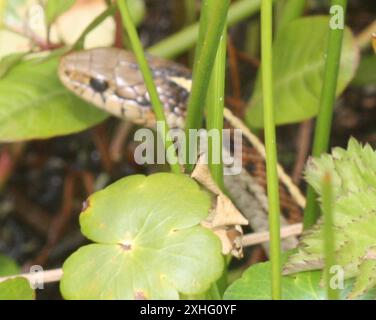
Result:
[
  {"x": 234, "y": 69},
  {"x": 102, "y": 145},
  {"x": 116, "y": 149},
  {"x": 261, "y": 237},
  {"x": 248, "y": 59},
  {"x": 303, "y": 144},
  {"x": 60, "y": 221},
  {"x": 118, "y": 31},
  {"x": 236, "y": 104},
  {"x": 9, "y": 158},
  {"x": 31, "y": 214},
  {"x": 88, "y": 181}
]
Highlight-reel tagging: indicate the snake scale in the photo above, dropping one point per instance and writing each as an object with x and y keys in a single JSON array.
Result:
[{"x": 110, "y": 79}]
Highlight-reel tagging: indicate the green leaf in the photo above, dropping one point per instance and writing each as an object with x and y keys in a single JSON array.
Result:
[
  {"x": 255, "y": 284},
  {"x": 367, "y": 281},
  {"x": 353, "y": 174},
  {"x": 54, "y": 8},
  {"x": 137, "y": 10},
  {"x": 352, "y": 170},
  {"x": 16, "y": 289},
  {"x": 9, "y": 61},
  {"x": 366, "y": 74},
  {"x": 298, "y": 53},
  {"x": 8, "y": 266},
  {"x": 34, "y": 104},
  {"x": 149, "y": 242},
  {"x": 13, "y": 289}
]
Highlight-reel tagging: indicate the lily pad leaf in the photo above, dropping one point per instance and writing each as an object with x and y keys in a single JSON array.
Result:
[
  {"x": 255, "y": 284},
  {"x": 34, "y": 104},
  {"x": 298, "y": 65},
  {"x": 149, "y": 242}
]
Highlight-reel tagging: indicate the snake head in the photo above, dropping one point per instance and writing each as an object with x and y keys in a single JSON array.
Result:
[{"x": 110, "y": 79}]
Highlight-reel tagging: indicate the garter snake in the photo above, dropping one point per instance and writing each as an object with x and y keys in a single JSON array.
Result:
[{"x": 110, "y": 79}]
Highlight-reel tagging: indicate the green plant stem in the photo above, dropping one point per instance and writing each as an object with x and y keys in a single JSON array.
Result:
[
  {"x": 215, "y": 107},
  {"x": 324, "y": 118},
  {"x": 253, "y": 38},
  {"x": 148, "y": 78},
  {"x": 292, "y": 9},
  {"x": 214, "y": 125},
  {"x": 190, "y": 18},
  {"x": 329, "y": 241},
  {"x": 212, "y": 22},
  {"x": 183, "y": 40},
  {"x": 312, "y": 209},
  {"x": 270, "y": 144},
  {"x": 190, "y": 11}
]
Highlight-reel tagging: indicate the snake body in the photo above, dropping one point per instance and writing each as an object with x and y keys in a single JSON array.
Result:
[{"x": 110, "y": 79}]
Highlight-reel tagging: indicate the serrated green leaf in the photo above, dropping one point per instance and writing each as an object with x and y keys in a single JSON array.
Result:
[
  {"x": 34, "y": 104},
  {"x": 16, "y": 289},
  {"x": 54, "y": 8},
  {"x": 150, "y": 243},
  {"x": 368, "y": 279},
  {"x": 353, "y": 174},
  {"x": 298, "y": 53},
  {"x": 352, "y": 170}
]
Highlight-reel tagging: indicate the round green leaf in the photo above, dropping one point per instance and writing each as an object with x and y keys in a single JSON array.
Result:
[
  {"x": 298, "y": 66},
  {"x": 16, "y": 289},
  {"x": 150, "y": 244},
  {"x": 34, "y": 104}
]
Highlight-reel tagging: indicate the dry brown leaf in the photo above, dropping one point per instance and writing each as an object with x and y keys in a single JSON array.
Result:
[
  {"x": 227, "y": 213},
  {"x": 225, "y": 220}
]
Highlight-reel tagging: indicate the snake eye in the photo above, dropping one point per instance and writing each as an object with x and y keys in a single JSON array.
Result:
[{"x": 98, "y": 85}]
